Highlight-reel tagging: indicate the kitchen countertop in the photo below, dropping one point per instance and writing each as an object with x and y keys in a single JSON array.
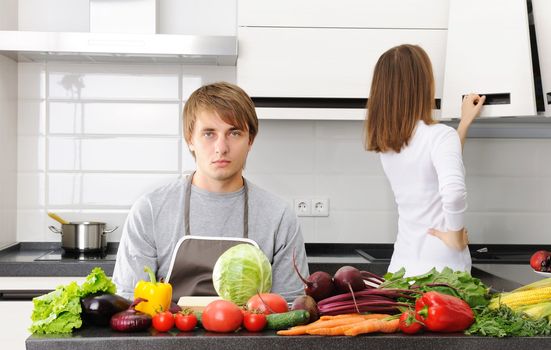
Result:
[{"x": 104, "y": 339}]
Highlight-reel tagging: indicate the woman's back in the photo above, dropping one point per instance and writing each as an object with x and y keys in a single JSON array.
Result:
[{"x": 427, "y": 178}]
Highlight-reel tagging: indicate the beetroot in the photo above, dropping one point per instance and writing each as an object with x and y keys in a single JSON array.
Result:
[
  {"x": 318, "y": 285},
  {"x": 347, "y": 278}
]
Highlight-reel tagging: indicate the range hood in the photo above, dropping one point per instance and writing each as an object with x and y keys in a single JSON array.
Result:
[{"x": 28, "y": 46}]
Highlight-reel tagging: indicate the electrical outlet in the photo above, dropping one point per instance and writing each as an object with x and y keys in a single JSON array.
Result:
[
  {"x": 320, "y": 206},
  {"x": 303, "y": 206}
]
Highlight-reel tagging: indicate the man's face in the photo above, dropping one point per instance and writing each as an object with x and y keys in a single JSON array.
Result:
[{"x": 220, "y": 148}]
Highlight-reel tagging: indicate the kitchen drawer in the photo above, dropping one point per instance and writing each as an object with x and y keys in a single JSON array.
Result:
[
  {"x": 14, "y": 323},
  {"x": 344, "y": 13},
  {"x": 35, "y": 283}
]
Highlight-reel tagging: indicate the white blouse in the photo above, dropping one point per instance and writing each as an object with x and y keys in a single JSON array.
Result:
[{"x": 428, "y": 181}]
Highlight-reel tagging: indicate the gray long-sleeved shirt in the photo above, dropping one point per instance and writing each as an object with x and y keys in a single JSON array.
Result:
[{"x": 156, "y": 223}]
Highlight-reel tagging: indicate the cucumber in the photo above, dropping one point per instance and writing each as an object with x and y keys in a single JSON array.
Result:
[{"x": 286, "y": 320}]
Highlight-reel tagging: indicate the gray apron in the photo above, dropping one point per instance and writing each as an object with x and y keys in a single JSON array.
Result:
[{"x": 193, "y": 259}]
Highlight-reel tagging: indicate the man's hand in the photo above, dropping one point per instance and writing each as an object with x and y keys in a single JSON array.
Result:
[{"x": 457, "y": 240}]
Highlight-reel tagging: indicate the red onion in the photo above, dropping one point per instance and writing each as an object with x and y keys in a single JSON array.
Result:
[{"x": 131, "y": 320}]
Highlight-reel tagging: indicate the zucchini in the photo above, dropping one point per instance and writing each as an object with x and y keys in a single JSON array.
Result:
[{"x": 286, "y": 320}]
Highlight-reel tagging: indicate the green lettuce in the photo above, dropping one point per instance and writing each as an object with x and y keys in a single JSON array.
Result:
[
  {"x": 241, "y": 272},
  {"x": 59, "y": 311}
]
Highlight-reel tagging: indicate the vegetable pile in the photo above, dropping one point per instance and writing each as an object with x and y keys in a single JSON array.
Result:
[{"x": 60, "y": 311}]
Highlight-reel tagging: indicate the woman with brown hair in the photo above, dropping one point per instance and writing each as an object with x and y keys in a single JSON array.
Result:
[{"x": 422, "y": 161}]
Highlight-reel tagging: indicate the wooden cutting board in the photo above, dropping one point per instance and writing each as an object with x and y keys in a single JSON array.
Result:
[{"x": 196, "y": 303}]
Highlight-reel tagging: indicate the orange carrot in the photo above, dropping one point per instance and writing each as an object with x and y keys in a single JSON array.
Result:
[
  {"x": 300, "y": 330},
  {"x": 390, "y": 326},
  {"x": 364, "y": 316},
  {"x": 367, "y": 326},
  {"x": 338, "y": 330}
]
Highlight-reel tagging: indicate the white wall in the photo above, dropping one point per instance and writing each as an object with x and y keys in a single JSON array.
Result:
[
  {"x": 8, "y": 150},
  {"x": 92, "y": 138}
]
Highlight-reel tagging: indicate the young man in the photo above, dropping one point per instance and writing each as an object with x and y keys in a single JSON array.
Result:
[{"x": 180, "y": 229}]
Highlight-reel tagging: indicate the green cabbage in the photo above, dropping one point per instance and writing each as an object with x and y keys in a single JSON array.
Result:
[{"x": 241, "y": 272}]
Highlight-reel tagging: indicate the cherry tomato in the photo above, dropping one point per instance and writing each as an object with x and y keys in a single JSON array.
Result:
[
  {"x": 268, "y": 303},
  {"x": 408, "y": 324},
  {"x": 163, "y": 321},
  {"x": 185, "y": 320},
  {"x": 254, "y": 322},
  {"x": 222, "y": 316}
]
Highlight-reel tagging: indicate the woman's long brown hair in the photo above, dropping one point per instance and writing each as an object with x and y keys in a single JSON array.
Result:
[{"x": 402, "y": 93}]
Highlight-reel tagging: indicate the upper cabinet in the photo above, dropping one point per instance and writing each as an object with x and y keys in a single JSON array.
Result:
[
  {"x": 541, "y": 10},
  {"x": 320, "y": 54},
  {"x": 488, "y": 52},
  {"x": 344, "y": 14}
]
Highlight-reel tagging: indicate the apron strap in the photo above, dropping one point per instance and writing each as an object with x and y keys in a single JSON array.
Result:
[{"x": 245, "y": 207}]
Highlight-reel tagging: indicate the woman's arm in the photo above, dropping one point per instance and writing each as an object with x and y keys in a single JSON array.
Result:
[{"x": 472, "y": 104}]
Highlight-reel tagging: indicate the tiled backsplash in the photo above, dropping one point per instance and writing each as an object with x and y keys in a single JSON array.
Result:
[{"x": 93, "y": 138}]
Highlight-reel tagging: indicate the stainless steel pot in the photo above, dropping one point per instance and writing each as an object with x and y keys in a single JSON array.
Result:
[{"x": 83, "y": 236}]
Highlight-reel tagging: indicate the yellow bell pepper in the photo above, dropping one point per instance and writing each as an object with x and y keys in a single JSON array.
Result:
[{"x": 157, "y": 294}]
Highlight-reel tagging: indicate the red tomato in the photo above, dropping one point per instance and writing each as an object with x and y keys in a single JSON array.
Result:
[
  {"x": 221, "y": 316},
  {"x": 268, "y": 303},
  {"x": 185, "y": 321},
  {"x": 408, "y": 324},
  {"x": 254, "y": 322},
  {"x": 163, "y": 321}
]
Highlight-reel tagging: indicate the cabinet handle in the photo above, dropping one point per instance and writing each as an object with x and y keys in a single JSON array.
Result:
[{"x": 496, "y": 99}]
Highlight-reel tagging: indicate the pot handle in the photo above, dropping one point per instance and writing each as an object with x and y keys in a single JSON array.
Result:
[
  {"x": 111, "y": 230},
  {"x": 55, "y": 230}
]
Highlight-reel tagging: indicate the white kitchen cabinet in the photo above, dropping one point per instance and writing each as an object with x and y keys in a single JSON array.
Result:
[
  {"x": 345, "y": 13},
  {"x": 323, "y": 62},
  {"x": 488, "y": 52},
  {"x": 542, "y": 23},
  {"x": 14, "y": 323}
]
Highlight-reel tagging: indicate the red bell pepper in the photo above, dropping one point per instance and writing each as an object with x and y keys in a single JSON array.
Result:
[{"x": 443, "y": 313}]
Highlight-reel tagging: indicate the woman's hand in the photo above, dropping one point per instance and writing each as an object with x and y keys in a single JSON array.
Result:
[
  {"x": 470, "y": 108},
  {"x": 457, "y": 240}
]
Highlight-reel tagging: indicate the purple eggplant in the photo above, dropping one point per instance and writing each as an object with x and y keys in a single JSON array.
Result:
[{"x": 98, "y": 309}]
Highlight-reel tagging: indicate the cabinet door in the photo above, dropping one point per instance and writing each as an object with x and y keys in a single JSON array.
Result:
[
  {"x": 344, "y": 13},
  {"x": 489, "y": 53},
  {"x": 14, "y": 323},
  {"x": 324, "y": 62},
  {"x": 542, "y": 22}
]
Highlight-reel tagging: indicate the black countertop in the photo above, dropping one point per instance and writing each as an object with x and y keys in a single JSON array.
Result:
[{"x": 105, "y": 339}]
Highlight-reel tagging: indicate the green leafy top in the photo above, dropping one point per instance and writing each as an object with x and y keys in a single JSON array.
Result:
[
  {"x": 97, "y": 281},
  {"x": 504, "y": 322},
  {"x": 457, "y": 283}
]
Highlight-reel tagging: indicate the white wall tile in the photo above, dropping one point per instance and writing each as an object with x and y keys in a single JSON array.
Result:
[
  {"x": 357, "y": 227},
  {"x": 31, "y": 153},
  {"x": 117, "y": 154},
  {"x": 32, "y": 226},
  {"x": 356, "y": 192},
  {"x": 103, "y": 82},
  {"x": 509, "y": 228},
  {"x": 31, "y": 190},
  {"x": 101, "y": 190},
  {"x": 346, "y": 156},
  {"x": 31, "y": 119},
  {"x": 31, "y": 81}
]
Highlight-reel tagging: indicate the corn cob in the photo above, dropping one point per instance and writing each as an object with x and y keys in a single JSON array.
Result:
[
  {"x": 546, "y": 282},
  {"x": 537, "y": 311},
  {"x": 526, "y": 297}
]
